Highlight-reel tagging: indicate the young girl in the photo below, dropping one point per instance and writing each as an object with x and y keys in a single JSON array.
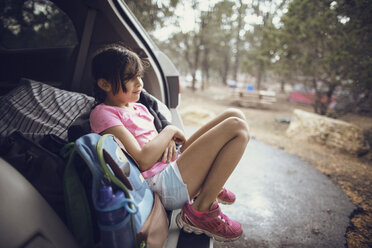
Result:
[{"x": 198, "y": 170}]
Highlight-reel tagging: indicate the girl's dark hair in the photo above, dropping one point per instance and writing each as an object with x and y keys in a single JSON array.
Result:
[{"x": 116, "y": 64}]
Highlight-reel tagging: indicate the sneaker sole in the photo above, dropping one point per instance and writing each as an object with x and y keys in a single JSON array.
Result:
[
  {"x": 193, "y": 229},
  {"x": 224, "y": 202}
]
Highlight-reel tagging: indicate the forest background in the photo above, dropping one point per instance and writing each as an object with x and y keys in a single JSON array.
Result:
[{"x": 323, "y": 45}]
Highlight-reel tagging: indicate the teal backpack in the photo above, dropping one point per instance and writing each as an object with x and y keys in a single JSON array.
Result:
[{"x": 127, "y": 212}]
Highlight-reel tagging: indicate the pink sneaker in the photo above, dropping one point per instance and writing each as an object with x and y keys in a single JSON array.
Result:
[
  {"x": 226, "y": 197},
  {"x": 212, "y": 223}
]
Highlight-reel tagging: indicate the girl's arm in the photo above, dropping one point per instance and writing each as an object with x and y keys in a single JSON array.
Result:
[{"x": 150, "y": 153}]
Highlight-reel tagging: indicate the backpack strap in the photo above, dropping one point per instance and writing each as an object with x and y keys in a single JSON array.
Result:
[
  {"x": 102, "y": 154},
  {"x": 78, "y": 213},
  {"x": 108, "y": 174}
]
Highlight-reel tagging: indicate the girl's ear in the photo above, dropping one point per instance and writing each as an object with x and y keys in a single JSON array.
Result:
[{"x": 104, "y": 85}]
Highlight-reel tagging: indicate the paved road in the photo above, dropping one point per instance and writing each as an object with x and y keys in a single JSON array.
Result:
[{"x": 284, "y": 202}]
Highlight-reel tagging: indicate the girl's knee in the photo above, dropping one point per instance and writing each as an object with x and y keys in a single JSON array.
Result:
[
  {"x": 234, "y": 112},
  {"x": 244, "y": 130},
  {"x": 238, "y": 126}
]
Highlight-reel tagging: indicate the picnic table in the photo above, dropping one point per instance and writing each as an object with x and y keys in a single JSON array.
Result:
[{"x": 258, "y": 98}]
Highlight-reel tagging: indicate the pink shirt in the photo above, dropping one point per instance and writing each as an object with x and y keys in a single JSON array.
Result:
[{"x": 138, "y": 121}]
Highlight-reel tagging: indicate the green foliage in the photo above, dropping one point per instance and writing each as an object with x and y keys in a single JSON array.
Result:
[
  {"x": 208, "y": 48},
  {"x": 152, "y": 14},
  {"x": 327, "y": 41},
  {"x": 357, "y": 43},
  {"x": 211, "y": 44},
  {"x": 24, "y": 24},
  {"x": 312, "y": 36},
  {"x": 222, "y": 39}
]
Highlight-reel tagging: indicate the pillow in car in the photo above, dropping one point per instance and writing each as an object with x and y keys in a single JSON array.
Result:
[{"x": 36, "y": 109}]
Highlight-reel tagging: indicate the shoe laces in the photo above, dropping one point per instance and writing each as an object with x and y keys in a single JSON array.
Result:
[
  {"x": 221, "y": 215},
  {"x": 224, "y": 218}
]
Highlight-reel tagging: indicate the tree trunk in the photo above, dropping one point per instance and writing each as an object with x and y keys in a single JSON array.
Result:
[
  {"x": 196, "y": 42},
  {"x": 329, "y": 94},
  {"x": 193, "y": 82},
  {"x": 205, "y": 68},
  {"x": 223, "y": 76},
  {"x": 259, "y": 78},
  {"x": 240, "y": 17},
  {"x": 282, "y": 86},
  {"x": 225, "y": 69},
  {"x": 318, "y": 96}
]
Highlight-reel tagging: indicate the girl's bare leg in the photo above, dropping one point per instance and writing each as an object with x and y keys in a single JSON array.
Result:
[
  {"x": 210, "y": 159},
  {"x": 231, "y": 112}
]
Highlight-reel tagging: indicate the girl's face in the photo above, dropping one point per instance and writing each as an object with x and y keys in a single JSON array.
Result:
[{"x": 134, "y": 88}]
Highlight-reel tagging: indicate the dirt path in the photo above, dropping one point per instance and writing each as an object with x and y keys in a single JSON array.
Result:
[{"x": 352, "y": 175}]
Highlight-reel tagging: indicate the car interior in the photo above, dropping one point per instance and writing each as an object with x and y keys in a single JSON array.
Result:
[{"x": 47, "y": 46}]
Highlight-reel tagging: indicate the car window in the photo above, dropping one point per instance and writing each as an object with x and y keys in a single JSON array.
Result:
[{"x": 34, "y": 24}]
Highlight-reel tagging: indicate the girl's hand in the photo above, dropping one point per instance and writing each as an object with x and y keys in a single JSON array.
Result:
[
  {"x": 170, "y": 152},
  {"x": 178, "y": 137}
]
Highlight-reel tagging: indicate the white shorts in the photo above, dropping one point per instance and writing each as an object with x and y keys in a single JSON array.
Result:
[{"x": 169, "y": 185}]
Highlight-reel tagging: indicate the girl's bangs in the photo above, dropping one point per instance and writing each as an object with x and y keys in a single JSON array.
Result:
[{"x": 134, "y": 68}]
